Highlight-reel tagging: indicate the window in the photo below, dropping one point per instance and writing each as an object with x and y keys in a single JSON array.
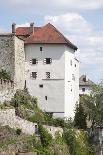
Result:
[
  {"x": 33, "y": 61},
  {"x": 83, "y": 89},
  {"x": 48, "y": 75},
  {"x": 34, "y": 75},
  {"x": 41, "y": 48},
  {"x": 47, "y": 60},
  {"x": 41, "y": 85},
  {"x": 73, "y": 77},
  {"x": 46, "y": 98},
  {"x": 84, "y": 79},
  {"x": 71, "y": 62}
]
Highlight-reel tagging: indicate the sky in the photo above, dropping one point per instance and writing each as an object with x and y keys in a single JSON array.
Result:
[{"x": 81, "y": 21}]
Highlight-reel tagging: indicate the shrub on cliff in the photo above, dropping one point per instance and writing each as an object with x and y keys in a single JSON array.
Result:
[
  {"x": 45, "y": 136},
  {"x": 5, "y": 75}
]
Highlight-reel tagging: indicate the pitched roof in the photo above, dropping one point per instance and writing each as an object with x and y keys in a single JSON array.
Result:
[
  {"x": 83, "y": 81},
  {"x": 47, "y": 34}
]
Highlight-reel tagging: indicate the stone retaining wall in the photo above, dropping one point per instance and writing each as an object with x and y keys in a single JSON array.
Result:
[{"x": 8, "y": 117}]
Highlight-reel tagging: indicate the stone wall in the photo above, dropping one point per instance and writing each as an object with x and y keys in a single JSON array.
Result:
[
  {"x": 8, "y": 117},
  {"x": 12, "y": 59},
  {"x": 53, "y": 130},
  {"x": 19, "y": 77},
  {"x": 6, "y": 90},
  {"x": 7, "y": 54}
]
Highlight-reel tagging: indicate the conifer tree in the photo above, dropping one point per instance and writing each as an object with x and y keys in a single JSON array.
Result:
[{"x": 80, "y": 117}]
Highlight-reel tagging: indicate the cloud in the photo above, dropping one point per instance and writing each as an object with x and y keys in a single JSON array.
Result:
[
  {"x": 23, "y": 25},
  {"x": 81, "y": 33},
  {"x": 55, "y": 7},
  {"x": 71, "y": 23}
]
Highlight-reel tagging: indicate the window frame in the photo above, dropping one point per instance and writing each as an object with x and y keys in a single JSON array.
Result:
[
  {"x": 83, "y": 89},
  {"x": 47, "y": 75},
  {"x": 33, "y": 76},
  {"x": 35, "y": 60},
  {"x": 47, "y": 61}
]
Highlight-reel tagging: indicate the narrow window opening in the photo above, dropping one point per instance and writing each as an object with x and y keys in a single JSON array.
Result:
[
  {"x": 41, "y": 85},
  {"x": 46, "y": 98},
  {"x": 83, "y": 89},
  {"x": 41, "y": 48},
  {"x": 71, "y": 62}
]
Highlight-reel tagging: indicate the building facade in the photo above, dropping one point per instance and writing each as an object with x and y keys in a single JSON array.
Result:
[
  {"x": 44, "y": 60},
  {"x": 85, "y": 85},
  {"x": 51, "y": 70}
]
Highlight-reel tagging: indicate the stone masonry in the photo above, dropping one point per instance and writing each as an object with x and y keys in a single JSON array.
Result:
[
  {"x": 12, "y": 59},
  {"x": 8, "y": 117}
]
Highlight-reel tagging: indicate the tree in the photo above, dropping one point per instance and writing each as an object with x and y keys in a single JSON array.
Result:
[
  {"x": 93, "y": 105},
  {"x": 80, "y": 117}
]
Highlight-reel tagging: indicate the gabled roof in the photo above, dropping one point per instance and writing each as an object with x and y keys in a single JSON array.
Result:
[
  {"x": 47, "y": 34},
  {"x": 83, "y": 81}
]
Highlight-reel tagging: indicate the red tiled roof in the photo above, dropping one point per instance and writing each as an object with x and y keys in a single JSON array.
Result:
[{"x": 46, "y": 34}]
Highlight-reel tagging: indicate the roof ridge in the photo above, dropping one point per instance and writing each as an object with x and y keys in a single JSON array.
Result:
[{"x": 67, "y": 40}]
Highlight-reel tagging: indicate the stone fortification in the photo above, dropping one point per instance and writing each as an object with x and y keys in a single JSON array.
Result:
[
  {"x": 12, "y": 59},
  {"x": 6, "y": 90}
]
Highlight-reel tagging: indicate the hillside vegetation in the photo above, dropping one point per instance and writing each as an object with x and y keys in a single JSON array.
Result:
[{"x": 73, "y": 141}]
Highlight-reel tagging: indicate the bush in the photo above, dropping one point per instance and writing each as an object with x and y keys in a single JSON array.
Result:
[
  {"x": 45, "y": 137},
  {"x": 5, "y": 75},
  {"x": 77, "y": 141}
]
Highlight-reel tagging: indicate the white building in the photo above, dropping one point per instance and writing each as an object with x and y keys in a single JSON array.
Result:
[
  {"x": 51, "y": 70},
  {"x": 85, "y": 85}
]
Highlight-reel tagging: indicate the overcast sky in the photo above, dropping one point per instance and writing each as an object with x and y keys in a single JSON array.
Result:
[{"x": 79, "y": 20}]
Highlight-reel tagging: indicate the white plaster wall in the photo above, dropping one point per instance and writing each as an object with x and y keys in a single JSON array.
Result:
[
  {"x": 71, "y": 85},
  {"x": 87, "y": 90},
  {"x": 52, "y": 88},
  {"x": 76, "y": 89}
]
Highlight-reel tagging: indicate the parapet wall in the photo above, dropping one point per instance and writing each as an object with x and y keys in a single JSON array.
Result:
[
  {"x": 8, "y": 117},
  {"x": 6, "y": 90}
]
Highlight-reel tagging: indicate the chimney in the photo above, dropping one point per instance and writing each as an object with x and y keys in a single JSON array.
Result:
[
  {"x": 13, "y": 28},
  {"x": 32, "y": 27}
]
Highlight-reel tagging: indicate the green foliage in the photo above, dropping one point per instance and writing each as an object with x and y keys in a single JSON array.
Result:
[
  {"x": 46, "y": 138},
  {"x": 77, "y": 141},
  {"x": 5, "y": 75},
  {"x": 93, "y": 105},
  {"x": 80, "y": 117}
]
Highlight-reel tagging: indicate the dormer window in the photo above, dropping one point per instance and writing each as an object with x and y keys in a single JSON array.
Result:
[{"x": 47, "y": 61}]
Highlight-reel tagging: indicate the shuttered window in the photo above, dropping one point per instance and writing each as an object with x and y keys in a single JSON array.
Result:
[
  {"x": 33, "y": 75},
  {"x": 33, "y": 61},
  {"x": 47, "y": 75},
  {"x": 47, "y": 61}
]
